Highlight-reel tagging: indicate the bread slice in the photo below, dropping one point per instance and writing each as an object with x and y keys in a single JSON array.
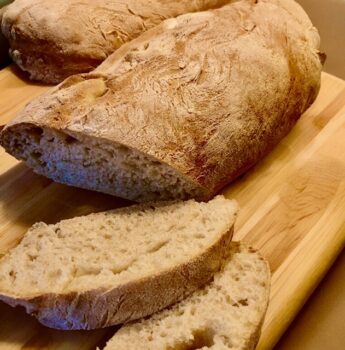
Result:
[
  {"x": 116, "y": 266},
  {"x": 54, "y": 39},
  {"x": 180, "y": 111},
  {"x": 226, "y": 314}
]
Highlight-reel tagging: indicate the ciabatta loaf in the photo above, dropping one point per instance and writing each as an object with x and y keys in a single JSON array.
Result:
[
  {"x": 54, "y": 39},
  {"x": 113, "y": 267},
  {"x": 180, "y": 111},
  {"x": 225, "y": 315}
]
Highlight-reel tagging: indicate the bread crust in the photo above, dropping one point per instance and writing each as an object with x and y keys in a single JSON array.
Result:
[
  {"x": 100, "y": 308},
  {"x": 55, "y": 39},
  {"x": 209, "y": 94}
]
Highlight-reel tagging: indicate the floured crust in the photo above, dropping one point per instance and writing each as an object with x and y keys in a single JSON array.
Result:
[
  {"x": 55, "y": 39},
  {"x": 209, "y": 93}
]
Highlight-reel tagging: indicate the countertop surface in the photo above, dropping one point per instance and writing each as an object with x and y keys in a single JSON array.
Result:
[{"x": 321, "y": 323}]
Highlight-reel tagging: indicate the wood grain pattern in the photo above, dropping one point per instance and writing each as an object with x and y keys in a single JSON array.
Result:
[{"x": 293, "y": 211}]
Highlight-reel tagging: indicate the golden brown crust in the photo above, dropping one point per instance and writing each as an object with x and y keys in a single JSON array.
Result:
[
  {"x": 101, "y": 308},
  {"x": 209, "y": 93},
  {"x": 54, "y": 39}
]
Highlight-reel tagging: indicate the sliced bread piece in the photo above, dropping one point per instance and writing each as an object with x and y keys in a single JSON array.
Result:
[
  {"x": 116, "y": 266},
  {"x": 226, "y": 314}
]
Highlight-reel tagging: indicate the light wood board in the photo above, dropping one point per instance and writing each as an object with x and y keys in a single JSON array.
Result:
[{"x": 293, "y": 211}]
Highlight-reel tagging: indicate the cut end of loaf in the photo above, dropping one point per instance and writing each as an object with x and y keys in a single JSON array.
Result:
[{"x": 90, "y": 163}]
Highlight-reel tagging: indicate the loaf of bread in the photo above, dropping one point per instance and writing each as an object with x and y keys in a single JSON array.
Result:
[
  {"x": 4, "y": 58},
  {"x": 180, "y": 111},
  {"x": 225, "y": 315},
  {"x": 113, "y": 267},
  {"x": 54, "y": 39}
]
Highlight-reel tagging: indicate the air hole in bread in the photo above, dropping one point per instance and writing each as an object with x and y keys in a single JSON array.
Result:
[
  {"x": 118, "y": 270},
  {"x": 202, "y": 338},
  {"x": 157, "y": 246},
  {"x": 36, "y": 155},
  {"x": 12, "y": 275},
  {"x": 32, "y": 257},
  {"x": 243, "y": 302},
  {"x": 87, "y": 272},
  {"x": 70, "y": 139},
  {"x": 35, "y": 131},
  {"x": 58, "y": 232}
]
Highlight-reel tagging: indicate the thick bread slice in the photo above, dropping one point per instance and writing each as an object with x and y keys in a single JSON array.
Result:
[
  {"x": 54, "y": 39},
  {"x": 117, "y": 266},
  {"x": 226, "y": 314},
  {"x": 180, "y": 111}
]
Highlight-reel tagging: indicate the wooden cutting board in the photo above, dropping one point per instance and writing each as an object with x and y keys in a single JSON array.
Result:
[{"x": 293, "y": 211}]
